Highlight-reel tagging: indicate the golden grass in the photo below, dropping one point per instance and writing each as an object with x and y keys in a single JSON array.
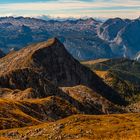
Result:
[
  {"x": 85, "y": 127},
  {"x": 92, "y": 62},
  {"x": 14, "y": 114},
  {"x": 101, "y": 74},
  {"x": 4, "y": 138}
]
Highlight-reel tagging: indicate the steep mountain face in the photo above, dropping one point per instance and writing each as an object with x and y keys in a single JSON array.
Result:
[
  {"x": 88, "y": 48},
  {"x": 128, "y": 39},
  {"x": 34, "y": 65},
  {"x": 109, "y": 29},
  {"x": 122, "y": 36}
]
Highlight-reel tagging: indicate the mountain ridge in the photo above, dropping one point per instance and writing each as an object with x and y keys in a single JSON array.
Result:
[
  {"x": 37, "y": 59},
  {"x": 108, "y": 39}
]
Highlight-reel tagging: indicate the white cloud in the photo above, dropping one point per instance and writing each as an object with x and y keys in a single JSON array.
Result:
[{"x": 76, "y": 8}]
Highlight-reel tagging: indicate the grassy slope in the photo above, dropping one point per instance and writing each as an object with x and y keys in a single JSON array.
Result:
[
  {"x": 121, "y": 74},
  {"x": 88, "y": 97},
  {"x": 94, "y": 61},
  {"x": 102, "y": 127},
  {"x": 15, "y": 114},
  {"x": 126, "y": 69}
]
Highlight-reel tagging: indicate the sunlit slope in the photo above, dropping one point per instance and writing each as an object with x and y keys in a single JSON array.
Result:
[
  {"x": 82, "y": 127},
  {"x": 15, "y": 114}
]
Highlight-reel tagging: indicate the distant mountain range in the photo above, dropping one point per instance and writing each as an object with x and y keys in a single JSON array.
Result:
[{"x": 85, "y": 39}]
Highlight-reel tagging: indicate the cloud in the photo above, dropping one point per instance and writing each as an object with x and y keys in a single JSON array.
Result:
[{"x": 75, "y": 8}]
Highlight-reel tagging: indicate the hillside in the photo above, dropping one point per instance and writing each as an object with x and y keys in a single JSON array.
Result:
[
  {"x": 110, "y": 28},
  {"x": 15, "y": 114},
  {"x": 97, "y": 103},
  {"x": 121, "y": 74},
  {"x": 82, "y": 127},
  {"x": 18, "y": 112},
  {"x": 122, "y": 35}
]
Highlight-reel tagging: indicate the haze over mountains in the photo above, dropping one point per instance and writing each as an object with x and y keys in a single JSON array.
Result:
[{"x": 85, "y": 39}]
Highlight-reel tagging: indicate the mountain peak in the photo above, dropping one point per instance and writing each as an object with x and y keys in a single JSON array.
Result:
[
  {"x": 53, "y": 41},
  {"x": 50, "y": 60},
  {"x": 27, "y": 56}
]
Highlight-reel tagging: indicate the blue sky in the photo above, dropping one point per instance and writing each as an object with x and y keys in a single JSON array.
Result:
[{"x": 71, "y": 8}]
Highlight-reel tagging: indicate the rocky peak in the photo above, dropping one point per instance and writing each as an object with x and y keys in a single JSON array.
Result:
[{"x": 49, "y": 60}]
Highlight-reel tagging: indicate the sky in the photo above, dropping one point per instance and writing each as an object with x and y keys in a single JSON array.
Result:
[{"x": 71, "y": 8}]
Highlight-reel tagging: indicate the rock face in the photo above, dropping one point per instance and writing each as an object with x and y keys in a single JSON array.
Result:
[
  {"x": 128, "y": 40},
  {"x": 42, "y": 65},
  {"x": 110, "y": 28},
  {"x": 122, "y": 35},
  {"x": 26, "y": 78},
  {"x": 91, "y": 99}
]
